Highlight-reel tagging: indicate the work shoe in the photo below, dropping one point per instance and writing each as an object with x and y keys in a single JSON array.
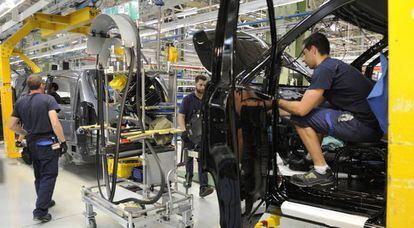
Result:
[
  {"x": 51, "y": 204},
  {"x": 43, "y": 219},
  {"x": 19, "y": 144},
  {"x": 313, "y": 178},
  {"x": 205, "y": 191},
  {"x": 188, "y": 181}
]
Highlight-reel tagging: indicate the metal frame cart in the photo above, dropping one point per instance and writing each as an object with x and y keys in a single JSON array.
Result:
[{"x": 132, "y": 203}]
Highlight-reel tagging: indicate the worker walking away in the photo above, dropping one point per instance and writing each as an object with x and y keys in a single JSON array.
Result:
[
  {"x": 52, "y": 92},
  {"x": 190, "y": 105},
  {"x": 37, "y": 112},
  {"x": 350, "y": 118}
]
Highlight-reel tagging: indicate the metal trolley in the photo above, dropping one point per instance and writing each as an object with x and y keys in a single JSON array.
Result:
[
  {"x": 174, "y": 208},
  {"x": 125, "y": 204}
]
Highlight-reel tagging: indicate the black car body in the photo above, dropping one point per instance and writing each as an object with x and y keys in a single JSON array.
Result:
[{"x": 250, "y": 171}]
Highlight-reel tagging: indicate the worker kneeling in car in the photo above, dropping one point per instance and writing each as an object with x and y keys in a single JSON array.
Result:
[{"x": 350, "y": 119}]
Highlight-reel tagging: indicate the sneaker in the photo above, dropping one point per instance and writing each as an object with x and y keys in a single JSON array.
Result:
[
  {"x": 313, "y": 178},
  {"x": 43, "y": 219},
  {"x": 51, "y": 204},
  {"x": 205, "y": 191}
]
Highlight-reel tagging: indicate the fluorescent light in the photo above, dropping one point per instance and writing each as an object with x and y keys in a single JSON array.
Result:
[{"x": 9, "y": 5}]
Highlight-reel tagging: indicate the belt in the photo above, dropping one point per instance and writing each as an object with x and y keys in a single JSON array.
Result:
[{"x": 35, "y": 137}]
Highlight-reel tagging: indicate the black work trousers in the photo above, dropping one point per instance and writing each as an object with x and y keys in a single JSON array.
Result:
[{"x": 45, "y": 166}]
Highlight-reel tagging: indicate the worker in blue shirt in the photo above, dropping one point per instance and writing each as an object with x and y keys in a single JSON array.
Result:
[
  {"x": 350, "y": 118},
  {"x": 37, "y": 113},
  {"x": 190, "y": 105}
]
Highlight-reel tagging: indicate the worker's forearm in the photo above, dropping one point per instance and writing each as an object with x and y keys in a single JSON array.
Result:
[
  {"x": 181, "y": 123},
  {"x": 292, "y": 107},
  {"x": 58, "y": 130},
  {"x": 19, "y": 130}
]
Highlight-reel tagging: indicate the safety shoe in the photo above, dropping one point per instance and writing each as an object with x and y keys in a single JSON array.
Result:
[
  {"x": 43, "y": 219},
  {"x": 19, "y": 144},
  {"x": 51, "y": 204},
  {"x": 313, "y": 178},
  {"x": 205, "y": 191},
  {"x": 188, "y": 181}
]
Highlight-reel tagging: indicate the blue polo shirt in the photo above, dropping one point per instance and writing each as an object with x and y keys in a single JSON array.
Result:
[
  {"x": 190, "y": 105},
  {"x": 33, "y": 112},
  {"x": 345, "y": 88}
]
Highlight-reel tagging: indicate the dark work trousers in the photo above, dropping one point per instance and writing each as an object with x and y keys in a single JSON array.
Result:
[
  {"x": 45, "y": 166},
  {"x": 189, "y": 167}
]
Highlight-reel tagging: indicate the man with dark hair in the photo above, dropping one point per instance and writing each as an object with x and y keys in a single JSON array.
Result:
[
  {"x": 37, "y": 112},
  {"x": 190, "y": 105},
  {"x": 52, "y": 92},
  {"x": 349, "y": 119}
]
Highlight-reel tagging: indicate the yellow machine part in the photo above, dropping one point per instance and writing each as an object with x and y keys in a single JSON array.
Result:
[
  {"x": 29, "y": 62},
  {"x": 400, "y": 189},
  {"x": 125, "y": 166},
  {"x": 172, "y": 54},
  {"x": 134, "y": 136},
  {"x": 272, "y": 222},
  {"x": 119, "y": 82},
  {"x": 120, "y": 54}
]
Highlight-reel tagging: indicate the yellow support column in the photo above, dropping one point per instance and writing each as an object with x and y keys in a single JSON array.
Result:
[
  {"x": 6, "y": 50},
  {"x": 400, "y": 198},
  {"x": 7, "y": 100}
]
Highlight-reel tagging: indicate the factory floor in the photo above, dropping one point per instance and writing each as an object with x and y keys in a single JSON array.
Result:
[{"x": 17, "y": 198}]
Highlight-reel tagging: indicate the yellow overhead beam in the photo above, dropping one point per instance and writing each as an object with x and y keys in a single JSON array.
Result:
[
  {"x": 8, "y": 45},
  {"x": 53, "y": 25},
  {"x": 57, "y": 19},
  {"x": 81, "y": 30},
  {"x": 400, "y": 190},
  {"x": 30, "y": 63},
  {"x": 49, "y": 25}
]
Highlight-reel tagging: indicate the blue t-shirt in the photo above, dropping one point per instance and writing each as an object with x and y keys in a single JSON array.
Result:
[
  {"x": 190, "y": 105},
  {"x": 33, "y": 111},
  {"x": 345, "y": 88}
]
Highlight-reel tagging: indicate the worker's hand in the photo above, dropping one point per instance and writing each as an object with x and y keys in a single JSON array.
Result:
[
  {"x": 184, "y": 136},
  {"x": 64, "y": 148}
]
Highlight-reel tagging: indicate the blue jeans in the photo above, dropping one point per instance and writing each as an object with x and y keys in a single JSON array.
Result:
[{"x": 45, "y": 166}]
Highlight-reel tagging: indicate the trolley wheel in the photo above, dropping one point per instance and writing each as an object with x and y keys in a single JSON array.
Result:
[{"x": 91, "y": 223}]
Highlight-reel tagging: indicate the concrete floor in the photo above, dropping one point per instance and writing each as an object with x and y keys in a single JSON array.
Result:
[{"x": 17, "y": 198}]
